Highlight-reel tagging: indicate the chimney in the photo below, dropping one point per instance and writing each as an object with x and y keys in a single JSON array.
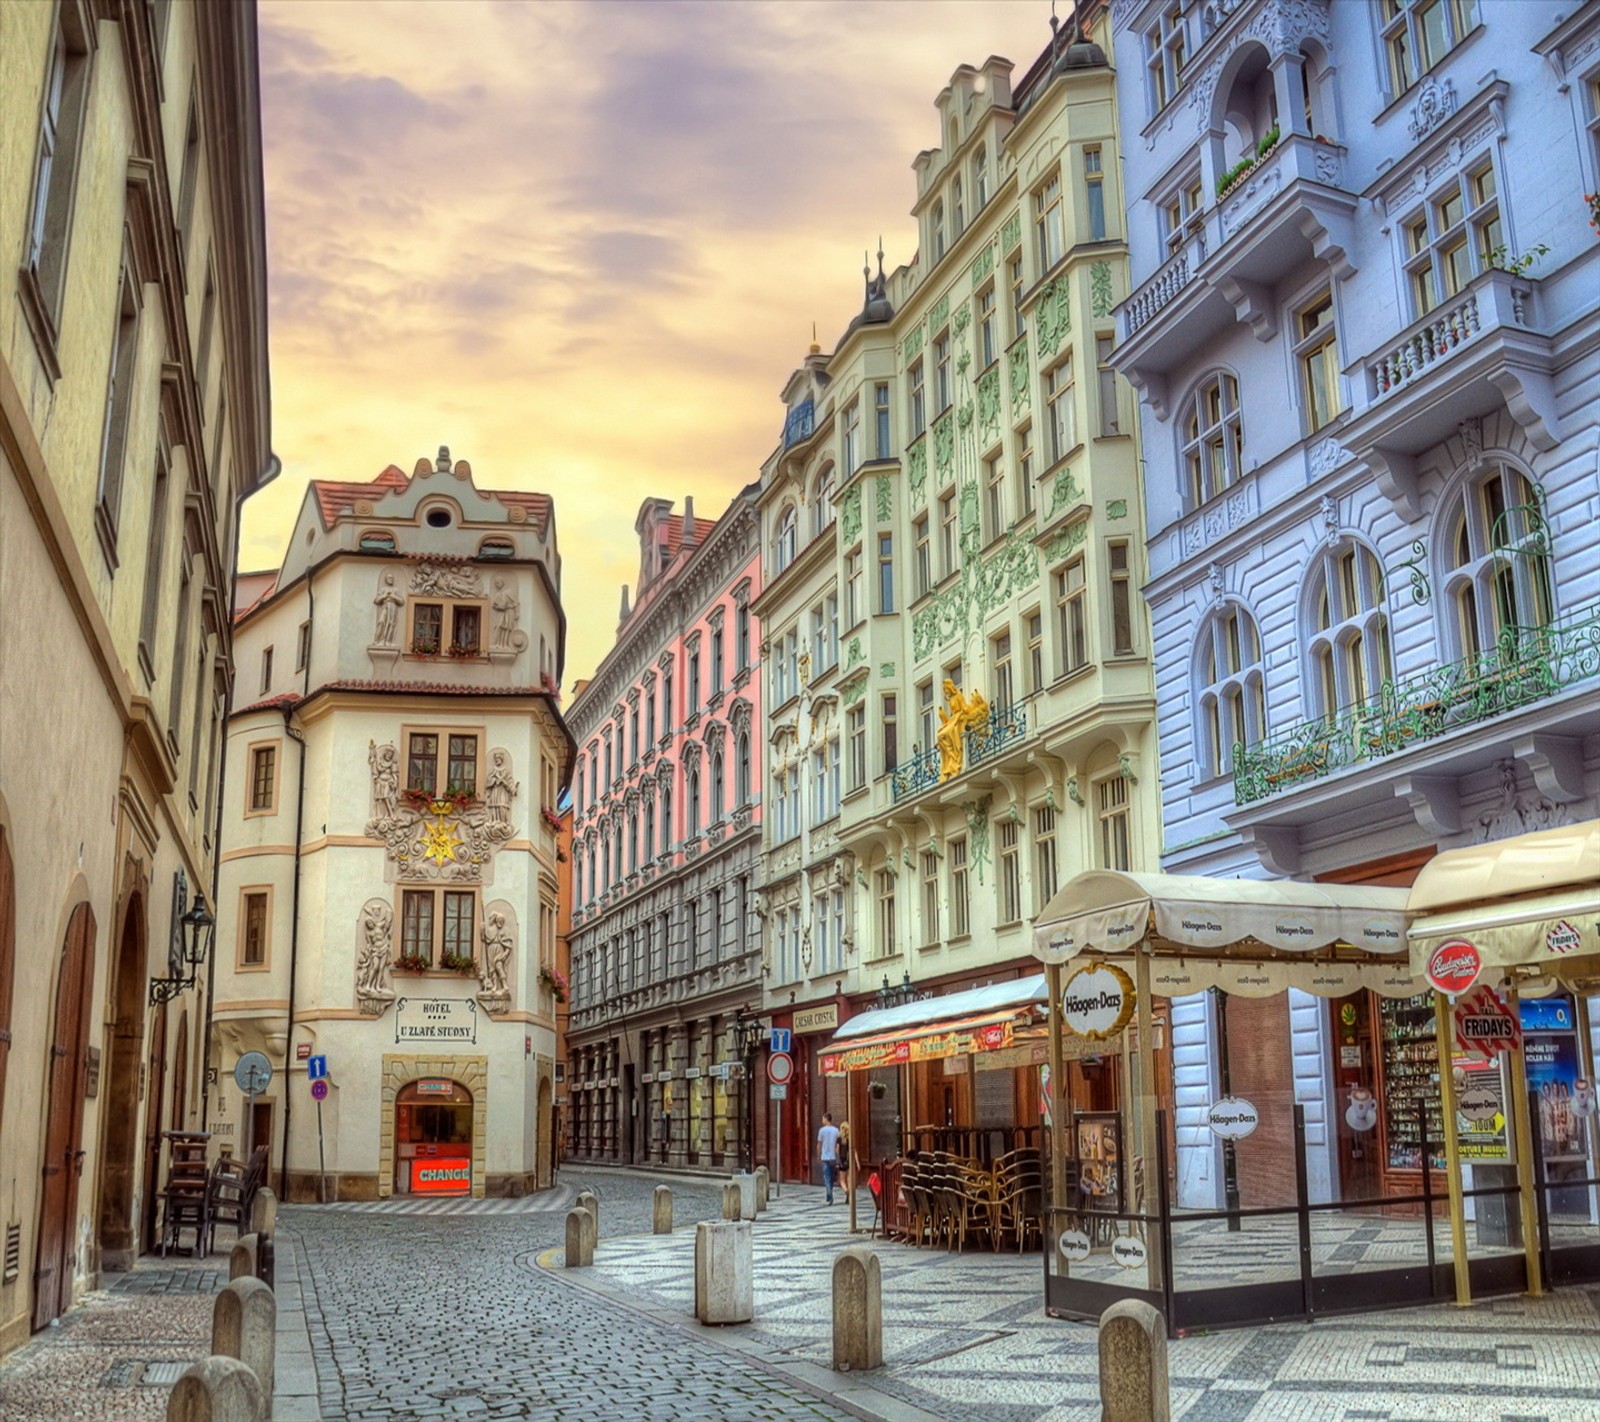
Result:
[
  {"x": 623, "y": 615},
  {"x": 688, "y": 521}
]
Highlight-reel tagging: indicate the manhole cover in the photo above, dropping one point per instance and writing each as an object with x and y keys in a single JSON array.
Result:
[
  {"x": 161, "y": 1374},
  {"x": 121, "y": 1373}
]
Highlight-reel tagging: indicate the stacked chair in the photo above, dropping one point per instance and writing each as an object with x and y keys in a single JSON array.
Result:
[{"x": 186, "y": 1202}]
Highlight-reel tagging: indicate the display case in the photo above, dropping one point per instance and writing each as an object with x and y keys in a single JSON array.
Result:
[{"x": 1410, "y": 1092}]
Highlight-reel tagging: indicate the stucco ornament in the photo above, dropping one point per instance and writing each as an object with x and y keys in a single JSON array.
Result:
[
  {"x": 499, "y": 788},
  {"x": 385, "y": 763},
  {"x": 438, "y": 840},
  {"x": 498, "y": 944},
  {"x": 373, "y": 990},
  {"x": 432, "y": 580},
  {"x": 507, "y": 607},
  {"x": 389, "y": 601}
]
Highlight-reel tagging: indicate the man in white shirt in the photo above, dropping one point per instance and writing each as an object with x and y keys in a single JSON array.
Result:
[{"x": 828, "y": 1149}]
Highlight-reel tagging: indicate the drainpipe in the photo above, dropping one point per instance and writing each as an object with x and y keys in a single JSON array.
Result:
[
  {"x": 273, "y": 467},
  {"x": 294, "y": 905}
]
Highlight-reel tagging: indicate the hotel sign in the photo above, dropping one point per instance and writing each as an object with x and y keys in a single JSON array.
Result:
[{"x": 435, "y": 1019}]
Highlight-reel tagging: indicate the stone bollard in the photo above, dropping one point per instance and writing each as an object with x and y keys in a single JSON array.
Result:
[
  {"x": 267, "y": 1259},
  {"x": 763, "y": 1187},
  {"x": 243, "y": 1259},
  {"x": 244, "y": 1325},
  {"x": 588, "y": 1200},
  {"x": 747, "y": 1195},
  {"x": 661, "y": 1211},
  {"x": 580, "y": 1238},
  {"x": 1133, "y": 1364},
  {"x": 730, "y": 1201},
  {"x": 217, "y": 1390},
  {"x": 724, "y": 1271},
  {"x": 857, "y": 1310},
  {"x": 263, "y": 1212}
]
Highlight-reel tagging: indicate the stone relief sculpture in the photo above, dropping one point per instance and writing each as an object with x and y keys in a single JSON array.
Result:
[
  {"x": 439, "y": 840},
  {"x": 434, "y": 581},
  {"x": 385, "y": 763},
  {"x": 507, "y": 608},
  {"x": 497, "y": 947},
  {"x": 389, "y": 601},
  {"x": 373, "y": 990},
  {"x": 499, "y": 788}
]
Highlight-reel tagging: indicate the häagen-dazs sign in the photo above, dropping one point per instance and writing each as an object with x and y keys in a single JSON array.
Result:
[
  {"x": 435, "y": 1019},
  {"x": 1097, "y": 1001}
]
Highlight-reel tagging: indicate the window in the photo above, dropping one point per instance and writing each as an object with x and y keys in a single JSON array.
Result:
[
  {"x": 1119, "y": 577},
  {"x": 1010, "y": 873},
  {"x": 958, "y": 211},
  {"x": 691, "y": 797},
  {"x": 784, "y": 547},
  {"x": 941, "y": 372},
  {"x": 885, "y": 913},
  {"x": 855, "y": 723},
  {"x": 691, "y": 681},
  {"x": 1213, "y": 434},
  {"x": 1450, "y": 240},
  {"x": 437, "y": 927},
  {"x": 1183, "y": 216},
  {"x": 155, "y": 557},
  {"x": 459, "y": 770},
  {"x": 822, "y": 510},
  {"x": 427, "y": 628},
  {"x": 666, "y": 698},
  {"x": 1232, "y": 700},
  {"x": 718, "y": 670},
  {"x": 960, "y": 904},
  {"x": 851, "y": 439},
  {"x": 1417, "y": 34},
  {"x": 891, "y": 741},
  {"x": 1000, "y": 669},
  {"x": 988, "y": 347},
  {"x": 1110, "y": 424},
  {"x": 1044, "y": 857},
  {"x": 881, "y": 448},
  {"x": 936, "y": 228},
  {"x": 648, "y": 825},
  {"x": 1499, "y": 584},
  {"x": 854, "y": 607},
  {"x": 1019, "y": 322},
  {"x": 302, "y": 647},
  {"x": 1113, "y": 813},
  {"x": 1063, "y": 419},
  {"x": 980, "y": 179},
  {"x": 1034, "y": 622},
  {"x": 930, "y": 899},
  {"x": 119, "y": 401},
  {"x": 1048, "y": 231},
  {"x": 253, "y": 941},
  {"x": 497, "y": 550},
  {"x": 466, "y": 625},
  {"x": 1025, "y": 469},
  {"x": 919, "y": 413},
  {"x": 1095, "y": 193},
  {"x": 263, "y": 779},
  {"x": 56, "y": 166},
  {"x": 266, "y": 670},
  {"x": 1593, "y": 116},
  {"x": 1164, "y": 57},
  {"x": 741, "y": 638},
  {"x": 885, "y": 572},
  {"x": 633, "y": 736},
  {"x": 825, "y": 635},
  {"x": 922, "y": 563},
  {"x": 927, "y": 715},
  {"x": 994, "y": 480},
  {"x": 1317, "y": 352},
  {"x": 823, "y": 805},
  {"x": 1071, "y": 623},
  {"x": 1350, "y": 647},
  {"x": 741, "y": 760}
]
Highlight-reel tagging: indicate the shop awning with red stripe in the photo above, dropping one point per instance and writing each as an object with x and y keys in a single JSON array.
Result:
[{"x": 979, "y": 1020}]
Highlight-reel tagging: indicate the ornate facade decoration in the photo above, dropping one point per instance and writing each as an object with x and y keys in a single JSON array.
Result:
[
  {"x": 498, "y": 943},
  {"x": 430, "y": 840},
  {"x": 441, "y": 580},
  {"x": 374, "y": 956},
  {"x": 506, "y": 607},
  {"x": 389, "y": 602},
  {"x": 1435, "y": 102},
  {"x": 967, "y": 711},
  {"x": 1052, "y": 315},
  {"x": 1100, "y": 298}
]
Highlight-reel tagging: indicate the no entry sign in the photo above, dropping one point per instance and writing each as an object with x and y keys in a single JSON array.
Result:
[
  {"x": 780, "y": 1068},
  {"x": 1454, "y": 966}
]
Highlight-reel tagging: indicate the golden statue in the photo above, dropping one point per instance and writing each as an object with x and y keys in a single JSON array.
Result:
[{"x": 966, "y": 712}]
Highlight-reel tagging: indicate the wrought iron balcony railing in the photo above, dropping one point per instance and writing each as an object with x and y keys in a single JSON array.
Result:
[
  {"x": 1526, "y": 665},
  {"x": 1003, "y": 728},
  {"x": 912, "y": 777}
]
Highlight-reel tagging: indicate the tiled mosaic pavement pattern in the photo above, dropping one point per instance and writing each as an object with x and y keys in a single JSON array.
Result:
[
  {"x": 558, "y": 1201},
  {"x": 116, "y": 1356},
  {"x": 966, "y": 1335}
]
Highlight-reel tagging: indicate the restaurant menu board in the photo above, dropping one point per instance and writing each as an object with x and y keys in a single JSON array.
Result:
[
  {"x": 1410, "y": 1081},
  {"x": 1100, "y": 1160}
]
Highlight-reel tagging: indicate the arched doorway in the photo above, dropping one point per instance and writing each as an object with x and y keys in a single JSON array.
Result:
[
  {"x": 156, "y": 1082},
  {"x": 119, "y": 1245},
  {"x": 545, "y": 1161},
  {"x": 8, "y": 949},
  {"x": 433, "y": 1138},
  {"x": 56, "y": 1253}
]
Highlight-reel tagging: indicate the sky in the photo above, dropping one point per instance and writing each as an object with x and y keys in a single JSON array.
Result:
[{"x": 581, "y": 244}]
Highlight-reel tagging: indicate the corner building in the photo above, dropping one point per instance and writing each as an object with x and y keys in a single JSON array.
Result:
[
  {"x": 666, "y": 842},
  {"x": 1363, "y": 321},
  {"x": 389, "y": 890},
  {"x": 957, "y": 666},
  {"x": 134, "y": 416}
]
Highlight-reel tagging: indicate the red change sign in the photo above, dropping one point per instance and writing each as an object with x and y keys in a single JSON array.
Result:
[{"x": 1454, "y": 966}]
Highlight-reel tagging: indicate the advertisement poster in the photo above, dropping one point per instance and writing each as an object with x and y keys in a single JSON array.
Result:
[
  {"x": 1485, "y": 1140},
  {"x": 1100, "y": 1160},
  {"x": 1553, "y": 1072}
]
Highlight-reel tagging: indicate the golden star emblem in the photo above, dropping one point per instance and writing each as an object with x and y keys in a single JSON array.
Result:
[{"x": 440, "y": 842}]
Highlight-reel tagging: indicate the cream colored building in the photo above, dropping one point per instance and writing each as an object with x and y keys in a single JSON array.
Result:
[
  {"x": 133, "y": 418},
  {"x": 389, "y": 893},
  {"x": 955, "y": 504}
]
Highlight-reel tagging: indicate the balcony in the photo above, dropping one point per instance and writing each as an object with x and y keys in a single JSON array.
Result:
[
  {"x": 1480, "y": 351},
  {"x": 1526, "y": 666},
  {"x": 1002, "y": 729}
]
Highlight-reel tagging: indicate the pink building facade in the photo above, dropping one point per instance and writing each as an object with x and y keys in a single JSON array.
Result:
[{"x": 666, "y": 942}]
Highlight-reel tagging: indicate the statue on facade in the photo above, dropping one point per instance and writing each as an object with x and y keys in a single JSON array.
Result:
[
  {"x": 499, "y": 788},
  {"x": 497, "y": 947},
  {"x": 373, "y": 958},
  {"x": 506, "y": 609},
  {"x": 385, "y": 763},
  {"x": 389, "y": 601}
]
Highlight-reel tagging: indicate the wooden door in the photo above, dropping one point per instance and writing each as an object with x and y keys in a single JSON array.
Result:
[
  {"x": 154, "y": 1085},
  {"x": 8, "y": 945},
  {"x": 56, "y": 1253}
]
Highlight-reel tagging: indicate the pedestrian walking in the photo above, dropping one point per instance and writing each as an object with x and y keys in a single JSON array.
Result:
[{"x": 828, "y": 1149}]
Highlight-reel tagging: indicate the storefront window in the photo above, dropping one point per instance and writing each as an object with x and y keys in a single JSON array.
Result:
[{"x": 433, "y": 1139}]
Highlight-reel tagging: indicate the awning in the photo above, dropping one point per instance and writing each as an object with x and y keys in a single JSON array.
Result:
[
  {"x": 1014, "y": 992},
  {"x": 1533, "y": 898},
  {"x": 977, "y": 1020},
  {"x": 1105, "y": 911}
]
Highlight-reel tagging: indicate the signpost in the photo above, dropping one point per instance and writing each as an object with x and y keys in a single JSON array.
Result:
[
  {"x": 252, "y": 1074},
  {"x": 780, "y": 1072},
  {"x": 780, "y": 1068},
  {"x": 781, "y": 1039},
  {"x": 317, "y": 1074}
]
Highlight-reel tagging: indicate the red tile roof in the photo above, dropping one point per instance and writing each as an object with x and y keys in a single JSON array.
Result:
[
  {"x": 702, "y": 531},
  {"x": 272, "y": 703},
  {"x": 537, "y": 505},
  {"x": 335, "y": 497}
]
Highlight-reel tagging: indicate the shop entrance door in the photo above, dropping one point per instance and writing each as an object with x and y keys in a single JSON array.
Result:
[{"x": 433, "y": 1139}]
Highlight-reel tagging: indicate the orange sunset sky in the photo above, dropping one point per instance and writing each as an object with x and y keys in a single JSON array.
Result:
[{"x": 581, "y": 244}]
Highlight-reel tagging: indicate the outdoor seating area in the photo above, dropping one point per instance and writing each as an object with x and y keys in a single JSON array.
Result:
[
  {"x": 198, "y": 1199},
  {"x": 947, "y": 1199}
]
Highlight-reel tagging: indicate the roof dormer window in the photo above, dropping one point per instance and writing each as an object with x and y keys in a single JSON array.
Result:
[
  {"x": 437, "y": 517},
  {"x": 377, "y": 543},
  {"x": 499, "y": 549}
]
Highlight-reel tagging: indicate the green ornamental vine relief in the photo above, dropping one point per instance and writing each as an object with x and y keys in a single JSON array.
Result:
[
  {"x": 1052, "y": 317},
  {"x": 1116, "y": 508},
  {"x": 989, "y": 404},
  {"x": 911, "y": 347},
  {"x": 962, "y": 320},
  {"x": 886, "y": 670},
  {"x": 853, "y": 653},
  {"x": 1100, "y": 298},
  {"x": 938, "y": 312},
  {"x": 944, "y": 446},
  {"x": 917, "y": 468},
  {"x": 971, "y": 534},
  {"x": 1011, "y": 233},
  {"x": 1063, "y": 492},
  {"x": 983, "y": 266},
  {"x": 885, "y": 498},
  {"x": 852, "y": 693},
  {"x": 977, "y": 812},
  {"x": 1065, "y": 541},
  {"x": 985, "y": 584},
  {"x": 1017, "y": 371},
  {"x": 850, "y": 514}
]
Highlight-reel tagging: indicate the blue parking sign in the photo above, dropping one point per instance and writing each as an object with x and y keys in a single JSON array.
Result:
[{"x": 316, "y": 1068}]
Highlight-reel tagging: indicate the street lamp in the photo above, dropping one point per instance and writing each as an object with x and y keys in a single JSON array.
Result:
[
  {"x": 897, "y": 995},
  {"x": 192, "y": 933},
  {"x": 748, "y": 1033}
]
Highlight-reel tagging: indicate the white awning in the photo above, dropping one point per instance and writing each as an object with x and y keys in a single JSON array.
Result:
[
  {"x": 993, "y": 997},
  {"x": 1105, "y": 911}
]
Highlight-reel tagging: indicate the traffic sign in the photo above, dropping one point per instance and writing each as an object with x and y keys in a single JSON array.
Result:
[
  {"x": 778, "y": 1091},
  {"x": 1454, "y": 966},
  {"x": 780, "y": 1068},
  {"x": 319, "y": 1089},
  {"x": 781, "y": 1039},
  {"x": 316, "y": 1068},
  {"x": 253, "y": 1073}
]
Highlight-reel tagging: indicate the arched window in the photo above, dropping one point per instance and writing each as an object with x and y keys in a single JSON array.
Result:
[
  {"x": 649, "y": 825},
  {"x": 741, "y": 751},
  {"x": 1250, "y": 112},
  {"x": 1213, "y": 438},
  {"x": 577, "y": 872},
  {"x": 633, "y": 838},
  {"x": 691, "y": 793},
  {"x": 1499, "y": 551},
  {"x": 980, "y": 179},
  {"x": 784, "y": 546},
  {"x": 715, "y": 809},
  {"x": 822, "y": 502},
  {"x": 1349, "y": 645},
  {"x": 1232, "y": 698},
  {"x": 377, "y": 543},
  {"x": 666, "y": 817},
  {"x": 936, "y": 228}
]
